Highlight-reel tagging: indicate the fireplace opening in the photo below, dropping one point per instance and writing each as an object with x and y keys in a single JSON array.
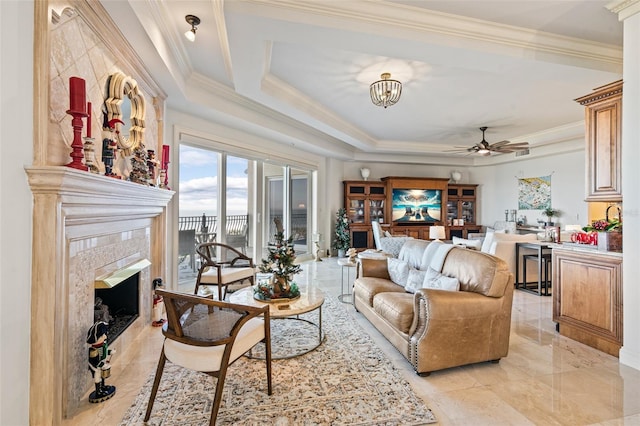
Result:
[{"x": 118, "y": 305}]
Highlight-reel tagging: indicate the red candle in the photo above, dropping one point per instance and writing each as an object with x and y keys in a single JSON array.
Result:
[
  {"x": 88, "y": 119},
  {"x": 77, "y": 94},
  {"x": 165, "y": 155}
]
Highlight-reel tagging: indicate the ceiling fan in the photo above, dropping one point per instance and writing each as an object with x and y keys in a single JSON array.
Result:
[{"x": 484, "y": 148}]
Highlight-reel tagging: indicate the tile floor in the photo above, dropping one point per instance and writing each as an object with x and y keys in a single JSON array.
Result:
[{"x": 546, "y": 379}]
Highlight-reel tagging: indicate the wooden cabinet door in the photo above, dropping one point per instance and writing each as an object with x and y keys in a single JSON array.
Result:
[
  {"x": 603, "y": 121},
  {"x": 587, "y": 302}
]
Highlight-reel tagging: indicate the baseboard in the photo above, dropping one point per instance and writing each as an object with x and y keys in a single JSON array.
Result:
[{"x": 629, "y": 358}]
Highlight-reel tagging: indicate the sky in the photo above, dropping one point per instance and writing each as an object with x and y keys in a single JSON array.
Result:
[{"x": 199, "y": 184}]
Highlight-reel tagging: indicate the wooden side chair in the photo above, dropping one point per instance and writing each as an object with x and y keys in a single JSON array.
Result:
[
  {"x": 221, "y": 266},
  {"x": 207, "y": 335}
]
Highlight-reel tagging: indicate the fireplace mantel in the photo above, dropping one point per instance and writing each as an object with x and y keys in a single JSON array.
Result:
[
  {"x": 82, "y": 221},
  {"x": 77, "y": 187}
]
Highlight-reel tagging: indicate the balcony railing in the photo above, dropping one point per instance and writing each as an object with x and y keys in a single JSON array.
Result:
[{"x": 200, "y": 229}]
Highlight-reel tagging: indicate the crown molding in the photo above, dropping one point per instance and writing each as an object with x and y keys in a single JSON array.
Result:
[
  {"x": 382, "y": 16},
  {"x": 328, "y": 121},
  {"x": 625, "y": 8},
  {"x": 221, "y": 26}
]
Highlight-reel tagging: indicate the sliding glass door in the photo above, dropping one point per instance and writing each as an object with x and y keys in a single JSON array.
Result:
[
  {"x": 222, "y": 197},
  {"x": 288, "y": 201}
]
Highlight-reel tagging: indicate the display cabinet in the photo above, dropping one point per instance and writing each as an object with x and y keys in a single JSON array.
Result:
[
  {"x": 461, "y": 209},
  {"x": 364, "y": 202}
]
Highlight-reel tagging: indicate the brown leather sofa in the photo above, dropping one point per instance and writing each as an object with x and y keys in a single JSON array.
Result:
[{"x": 438, "y": 329}]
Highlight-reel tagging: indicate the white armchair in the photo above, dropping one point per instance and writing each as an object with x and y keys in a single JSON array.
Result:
[{"x": 388, "y": 244}]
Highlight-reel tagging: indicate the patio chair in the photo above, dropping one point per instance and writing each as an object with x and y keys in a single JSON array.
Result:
[
  {"x": 207, "y": 335},
  {"x": 221, "y": 266},
  {"x": 187, "y": 246}
]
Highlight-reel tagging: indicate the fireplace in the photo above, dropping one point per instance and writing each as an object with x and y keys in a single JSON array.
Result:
[
  {"x": 118, "y": 306},
  {"x": 89, "y": 231}
]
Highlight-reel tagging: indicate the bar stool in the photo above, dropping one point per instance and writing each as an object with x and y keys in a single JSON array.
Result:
[{"x": 544, "y": 281}]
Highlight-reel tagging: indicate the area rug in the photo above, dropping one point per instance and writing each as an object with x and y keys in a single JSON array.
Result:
[{"x": 347, "y": 380}]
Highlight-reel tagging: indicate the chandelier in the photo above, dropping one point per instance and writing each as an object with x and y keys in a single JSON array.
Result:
[{"x": 385, "y": 92}]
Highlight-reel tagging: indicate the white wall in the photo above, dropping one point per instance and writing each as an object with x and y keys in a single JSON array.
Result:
[
  {"x": 630, "y": 352},
  {"x": 498, "y": 189},
  {"x": 16, "y": 151},
  {"x": 498, "y": 184}
]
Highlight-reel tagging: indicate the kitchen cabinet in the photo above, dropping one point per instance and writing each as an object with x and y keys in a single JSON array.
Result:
[
  {"x": 587, "y": 297},
  {"x": 603, "y": 122}
]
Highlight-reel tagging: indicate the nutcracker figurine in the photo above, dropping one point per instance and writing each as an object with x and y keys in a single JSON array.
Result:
[
  {"x": 109, "y": 145},
  {"x": 99, "y": 361},
  {"x": 158, "y": 304}
]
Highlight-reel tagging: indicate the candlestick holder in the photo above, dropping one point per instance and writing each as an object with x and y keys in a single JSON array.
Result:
[{"x": 77, "y": 147}]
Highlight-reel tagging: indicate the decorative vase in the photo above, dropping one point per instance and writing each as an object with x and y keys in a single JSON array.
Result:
[{"x": 341, "y": 252}]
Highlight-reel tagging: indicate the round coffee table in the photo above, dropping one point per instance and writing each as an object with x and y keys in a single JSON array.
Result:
[{"x": 310, "y": 299}]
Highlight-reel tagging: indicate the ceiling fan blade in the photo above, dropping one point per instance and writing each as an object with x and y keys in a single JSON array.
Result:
[
  {"x": 497, "y": 144},
  {"x": 507, "y": 149}
]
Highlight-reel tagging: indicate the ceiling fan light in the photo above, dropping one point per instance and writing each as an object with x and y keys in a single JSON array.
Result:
[
  {"x": 484, "y": 151},
  {"x": 385, "y": 92}
]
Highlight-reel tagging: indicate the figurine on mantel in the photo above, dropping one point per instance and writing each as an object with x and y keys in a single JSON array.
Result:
[
  {"x": 139, "y": 166},
  {"x": 109, "y": 146},
  {"x": 154, "y": 166},
  {"x": 99, "y": 361}
]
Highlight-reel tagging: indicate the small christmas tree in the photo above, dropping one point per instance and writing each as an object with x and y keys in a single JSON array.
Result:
[
  {"x": 140, "y": 168},
  {"x": 280, "y": 263},
  {"x": 342, "y": 239}
]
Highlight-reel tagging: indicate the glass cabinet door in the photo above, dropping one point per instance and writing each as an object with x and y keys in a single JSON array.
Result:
[
  {"x": 376, "y": 210},
  {"x": 452, "y": 211},
  {"x": 468, "y": 211},
  {"x": 356, "y": 211}
]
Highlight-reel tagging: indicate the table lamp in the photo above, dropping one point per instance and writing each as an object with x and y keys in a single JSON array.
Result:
[{"x": 436, "y": 233}]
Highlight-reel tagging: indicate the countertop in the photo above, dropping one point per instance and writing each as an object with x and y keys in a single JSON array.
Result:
[{"x": 584, "y": 248}]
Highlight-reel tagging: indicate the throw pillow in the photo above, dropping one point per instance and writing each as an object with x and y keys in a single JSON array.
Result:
[
  {"x": 472, "y": 244},
  {"x": 415, "y": 280},
  {"x": 398, "y": 271},
  {"x": 435, "y": 280}
]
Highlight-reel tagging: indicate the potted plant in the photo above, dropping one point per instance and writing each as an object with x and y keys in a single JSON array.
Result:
[
  {"x": 609, "y": 233},
  {"x": 342, "y": 239},
  {"x": 549, "y": 213}
]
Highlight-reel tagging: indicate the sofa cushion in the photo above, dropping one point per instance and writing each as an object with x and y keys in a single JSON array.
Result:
[
  {"x": 488, "y": 239},
  {"x": 477, "y": 272},
  {"x": 398, "y": 271},
  {"x": 396, "y": 308},
  {"x": 428, "y": 254},
  {"x": 374, "y": 267},
  {"x": 414, "y": 280},
  {"x": 412, "y": 251},
  {"x": 504, "y": 247},
  {"x": 435, "y": 280},
  {"x": 366, "y": 288},
  {"x": 440, "y": 256}
]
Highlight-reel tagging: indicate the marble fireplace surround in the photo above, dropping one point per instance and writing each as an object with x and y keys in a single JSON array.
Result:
[{"x": 83, "y": 225}]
